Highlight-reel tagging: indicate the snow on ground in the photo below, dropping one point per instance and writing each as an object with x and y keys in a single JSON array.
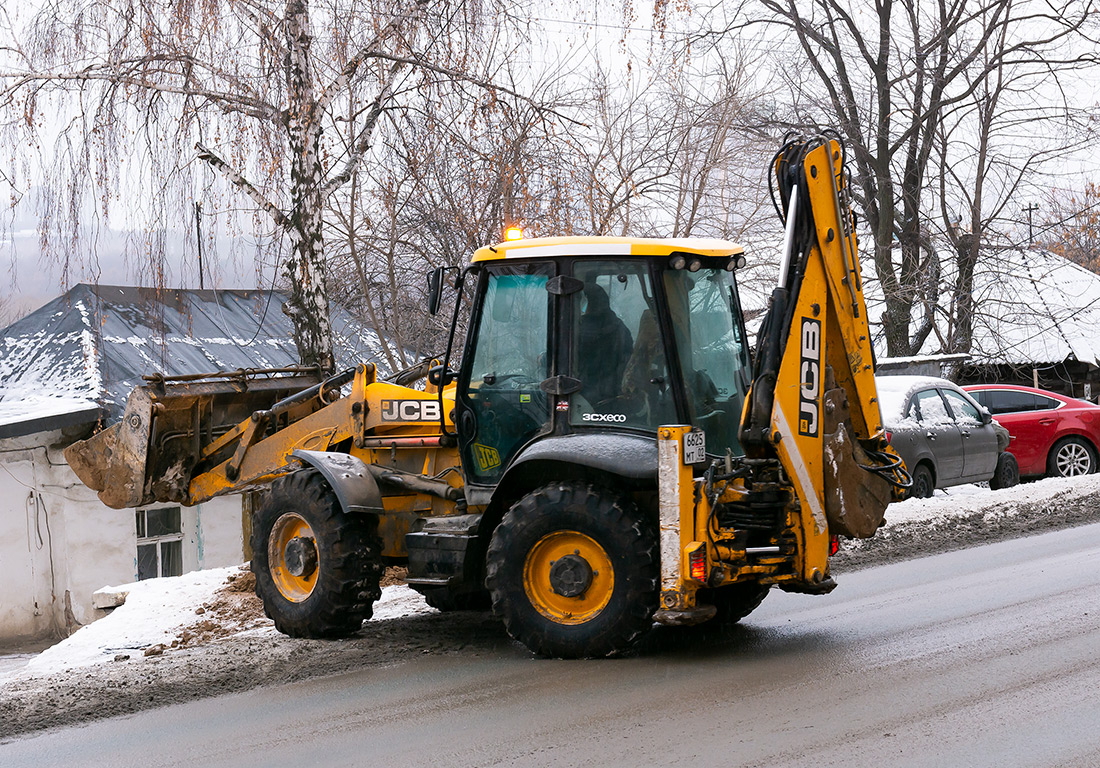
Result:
[
  {"x": 965, "y": 500},
  {"x": 158, "y": 611},
  {"x": 153, "y": 611}
]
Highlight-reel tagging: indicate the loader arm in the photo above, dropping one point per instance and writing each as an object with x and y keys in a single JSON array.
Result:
[{"x": 190, "y": 439}]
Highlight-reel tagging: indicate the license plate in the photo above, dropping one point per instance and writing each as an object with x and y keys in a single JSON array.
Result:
[{"x": 695, "y": 447}]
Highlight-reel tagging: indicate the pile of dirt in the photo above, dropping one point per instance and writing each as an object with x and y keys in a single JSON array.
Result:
[
  {"x": 394, "y": 575},
  {"x": 233, "y": 609},
  {"x": 236, "y": 608}
]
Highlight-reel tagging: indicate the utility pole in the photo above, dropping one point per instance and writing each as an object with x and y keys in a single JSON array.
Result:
[
  {"x": 198, "y": 238},
  {"x": 1030, "y": 209}
]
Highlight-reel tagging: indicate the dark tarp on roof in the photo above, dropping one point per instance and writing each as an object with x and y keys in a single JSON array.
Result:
[{"x": 91, "y": 346}]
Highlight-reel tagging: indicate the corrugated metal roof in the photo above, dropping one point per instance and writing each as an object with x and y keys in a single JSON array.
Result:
[
  {"x": 91, "y": 346},
  {"x": 1036, "y": 307},
  {"x": 1030, "y": 307}
]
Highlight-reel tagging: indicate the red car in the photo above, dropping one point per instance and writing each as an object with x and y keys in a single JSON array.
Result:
[{"x": 1052, "y": 434}]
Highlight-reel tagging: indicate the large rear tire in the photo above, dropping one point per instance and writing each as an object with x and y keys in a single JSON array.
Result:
[
  {"x": 317, "y": 569},
  {"x": 573, "y": 571}
]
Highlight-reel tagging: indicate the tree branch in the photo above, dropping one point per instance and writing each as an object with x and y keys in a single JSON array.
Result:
[{"x": 207, "y": 155}]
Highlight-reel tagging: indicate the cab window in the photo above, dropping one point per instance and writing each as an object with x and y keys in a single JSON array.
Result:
[{"x": 711, "y": 351}]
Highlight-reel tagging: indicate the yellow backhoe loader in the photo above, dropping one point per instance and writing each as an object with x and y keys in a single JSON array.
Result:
[{"x": 604, "y": 455}]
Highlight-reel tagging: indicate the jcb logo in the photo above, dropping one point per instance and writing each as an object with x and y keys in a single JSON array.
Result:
[
  {"x": 410, "y": 410},
  {"x": 809, "y": 406},
  {"x": 486, "y": 456}
]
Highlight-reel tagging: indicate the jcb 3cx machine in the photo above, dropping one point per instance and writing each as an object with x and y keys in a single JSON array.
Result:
[{"x": 606, "y": 453}]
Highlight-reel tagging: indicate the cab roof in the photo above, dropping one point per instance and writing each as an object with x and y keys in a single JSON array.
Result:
[{"x": 549, "y": 247}]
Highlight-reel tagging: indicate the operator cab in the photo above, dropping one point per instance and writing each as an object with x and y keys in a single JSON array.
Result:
[{"x": 594, "y": 335}]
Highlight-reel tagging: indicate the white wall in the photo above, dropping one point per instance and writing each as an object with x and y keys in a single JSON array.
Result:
[{"x": 57, "y": 537}]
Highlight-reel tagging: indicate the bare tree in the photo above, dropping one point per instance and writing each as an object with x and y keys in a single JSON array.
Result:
[
  {"x": 1071, "y": 225},
  {"x": 455, "y": 169},
  {"x": 891, "y": 72},
  {"x": 992, "y": 148},
  {"x": 249, "y": 87},
  {"x": 681, "y": 155}
]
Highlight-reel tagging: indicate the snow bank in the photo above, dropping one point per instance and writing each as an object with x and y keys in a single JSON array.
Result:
[
  {"x": 965, "y": 500},
  {"x": 157, "y": 610},
  {"x": 154, "y": 610}
]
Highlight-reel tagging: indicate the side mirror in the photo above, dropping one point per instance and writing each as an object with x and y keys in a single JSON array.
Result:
[
  {"x": 987, "y": 417},
  {"x": 440, "y": 375},
  {"x": 435, "y": 290}
]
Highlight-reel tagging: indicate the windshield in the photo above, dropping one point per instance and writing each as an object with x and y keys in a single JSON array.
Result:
[{"x": 712, "y": 354}]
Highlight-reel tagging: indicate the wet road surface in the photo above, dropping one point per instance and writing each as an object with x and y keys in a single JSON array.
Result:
[{"x": 982, "y": 657}]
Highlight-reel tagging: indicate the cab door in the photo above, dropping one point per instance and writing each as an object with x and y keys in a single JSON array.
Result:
[{"x": 508, "y": 355}]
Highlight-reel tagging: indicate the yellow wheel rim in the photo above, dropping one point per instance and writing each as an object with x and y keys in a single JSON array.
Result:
[
  {"x": 544, "y": 584},
  {"x": 287, "y": 528}
]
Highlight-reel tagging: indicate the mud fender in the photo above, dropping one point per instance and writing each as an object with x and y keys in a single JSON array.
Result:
[{"x": 351, "y": 481}]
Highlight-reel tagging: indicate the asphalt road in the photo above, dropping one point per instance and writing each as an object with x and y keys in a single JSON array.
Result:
[{"x": 981, "y": 657}]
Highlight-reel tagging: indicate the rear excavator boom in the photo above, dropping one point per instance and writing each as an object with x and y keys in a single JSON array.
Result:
[{"x": 600, "y": 458}]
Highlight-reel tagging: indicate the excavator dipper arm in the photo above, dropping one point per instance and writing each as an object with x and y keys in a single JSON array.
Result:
[{"x": 813, "y": 403}]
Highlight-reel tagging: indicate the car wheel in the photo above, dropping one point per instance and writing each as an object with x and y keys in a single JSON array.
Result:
[
  {"x": 1070, "y": 457},
  {"x": 1007, "y": 473},
  {"x": 923, "y": 483}
]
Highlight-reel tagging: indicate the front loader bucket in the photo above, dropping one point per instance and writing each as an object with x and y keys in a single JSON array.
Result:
[
  {"x": 172, "y": 429},
  {"x": 112, "y": 462}
]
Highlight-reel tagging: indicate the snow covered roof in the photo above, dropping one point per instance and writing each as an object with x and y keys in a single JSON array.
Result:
[
  {"x": 1036, "y": 307},
  {"x": 1030, "y": 307},
  {"x": 78, "y": 357}
]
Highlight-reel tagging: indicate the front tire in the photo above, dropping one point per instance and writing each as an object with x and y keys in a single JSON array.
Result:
[
  {"x": 317, "y": 569},
  {"x": 1071, "y": 457},
  {"x": 573, "y": 571}
]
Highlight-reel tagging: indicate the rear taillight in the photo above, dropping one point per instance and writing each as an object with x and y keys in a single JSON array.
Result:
[
  {"x": 834, "y": 545},
  {"x": 697, "y": 562},
  {"x": 889, "y": 436}
]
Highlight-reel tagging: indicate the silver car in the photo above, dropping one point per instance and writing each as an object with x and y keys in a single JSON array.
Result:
[{"x": 942, "y": 434}]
